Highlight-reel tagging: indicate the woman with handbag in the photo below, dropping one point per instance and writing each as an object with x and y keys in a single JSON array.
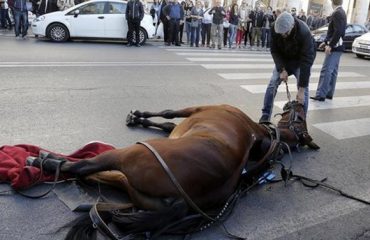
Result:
[{"x": 196, "y": 22}]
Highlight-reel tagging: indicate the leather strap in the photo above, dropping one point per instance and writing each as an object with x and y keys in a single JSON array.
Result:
[{"x": 175, "y": 182}]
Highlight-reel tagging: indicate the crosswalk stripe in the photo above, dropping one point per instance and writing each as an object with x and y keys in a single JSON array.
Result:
[
  {"x": 348, "y": 128},
  {"x": 240, "y": 76},
  {"x": 339, "y": 102},
  {"x": 269, "y": 66},
  {"x": 261, "y": 88},
  {"x": 248, "y": 66},
  {"x": 223, "y": 54},
  {"x": 230, "y": 59}
]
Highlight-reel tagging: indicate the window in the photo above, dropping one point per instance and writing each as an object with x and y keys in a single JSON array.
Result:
[
  {"x": 349, "y": 29},
  {"x": 93, "y": 8},
  {"x": 357, "y": 29},
  {"x": 116, "y": 8}
]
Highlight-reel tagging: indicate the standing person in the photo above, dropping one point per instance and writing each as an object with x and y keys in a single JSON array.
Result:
[
  {"x": 293, "y": 51},
  {"x": 20, "y": 18},
  {"x": 268, "y": 19},
  {"x": 196, "y": 22},
  {"x": 65, "y": 4},
  {"x": 302, "y": 16},
  {"x": 218, "y": 13},
  {"x": 257, "y": 27},
  {"x": 187, "y": 9},
  {"x": 206, "y": 25},
  {"x": 4, "y": 11},
  {"x": 175, "y": 14},
  {"x": 243, "y": 13},
  {"x": 334, "y": 48},
  {"x": 134, "y": 15},
  {"x": 164, "y": 21},
  {"x": 182, "y": 24},
  {"x": 234, "y": 21}
]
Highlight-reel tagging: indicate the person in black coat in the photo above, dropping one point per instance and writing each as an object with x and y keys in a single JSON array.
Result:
[
  {"x": 293, "y": 51},
  {"x": 134, "y": 15},
  {"x": 333, "y": 46}
]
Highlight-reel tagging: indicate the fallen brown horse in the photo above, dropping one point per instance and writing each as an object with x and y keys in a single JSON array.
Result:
[{"x": 191, "y": 173}]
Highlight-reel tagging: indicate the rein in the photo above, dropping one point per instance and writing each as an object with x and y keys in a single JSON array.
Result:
[{"x": 175, "y": 182}]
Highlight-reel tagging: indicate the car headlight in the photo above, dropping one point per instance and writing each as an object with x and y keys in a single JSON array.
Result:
[
  {"x": 356, "y": 43},
  {"x": 39, "y": 19}
]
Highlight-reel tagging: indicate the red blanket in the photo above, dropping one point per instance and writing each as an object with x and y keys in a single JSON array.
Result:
[{"x": 13, "y": 161}]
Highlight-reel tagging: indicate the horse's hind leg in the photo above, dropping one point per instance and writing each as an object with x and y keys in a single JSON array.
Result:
[{"x": 137, "y": 117}]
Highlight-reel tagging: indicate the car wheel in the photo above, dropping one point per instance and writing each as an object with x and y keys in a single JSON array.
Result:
[
  {"x": 142, "y": 35},
  {"x": 58, "y": 32},
  {"x": 360, "y": 56}
]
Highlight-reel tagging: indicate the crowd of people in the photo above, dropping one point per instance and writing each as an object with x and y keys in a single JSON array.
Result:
[{"x": 232, "y": 26}]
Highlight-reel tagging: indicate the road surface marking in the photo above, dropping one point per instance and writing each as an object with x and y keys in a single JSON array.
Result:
[
  {"x": 261, "y": 88},
  {"x": 348, "y": 128},
  {"x": 244, "y": 76}
]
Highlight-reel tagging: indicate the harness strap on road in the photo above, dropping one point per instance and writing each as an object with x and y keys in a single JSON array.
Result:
[{"x": 175, "y": 182}]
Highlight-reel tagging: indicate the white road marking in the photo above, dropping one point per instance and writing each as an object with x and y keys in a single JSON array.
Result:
[
  {"x": 348, "y": 128},
  {"x": 90, "y": 64},
  {"x": 230, "y": 59},
  {"x": 203, "y": 54},
  {"x": 241, "y": 76},
  {"x": 338, "y": 102},
  {"x": 261, "y": 88},
  {"x": 269, "y": 66}
]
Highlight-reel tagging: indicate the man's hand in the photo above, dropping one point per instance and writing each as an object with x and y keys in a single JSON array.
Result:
[
  {"x": 284, "y": 75},
  {"x": 300, "y": 95},
  {"x": 322, "y": 46},
  {"x": 168, "y": 17},
  {"x": 327, "y": 50}
]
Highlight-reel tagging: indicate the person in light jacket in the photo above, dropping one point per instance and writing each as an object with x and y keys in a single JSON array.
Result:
[{"x": 65, "y": 4}]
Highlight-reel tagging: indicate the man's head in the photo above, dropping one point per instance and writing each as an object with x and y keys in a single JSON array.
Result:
[
  {"x": 336, "y": 2},
  {"x": 293, "y": 10},
  {"x": 284, "y": 24}
]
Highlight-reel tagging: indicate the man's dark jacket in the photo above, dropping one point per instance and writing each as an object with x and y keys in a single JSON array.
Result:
[
  {"x": 296, "y": 51},
  {"x": 336, "y": 29},
  {"x": 134, "y": 10}
]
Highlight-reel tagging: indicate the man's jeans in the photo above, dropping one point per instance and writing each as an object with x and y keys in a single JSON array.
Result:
[
  {"x": 21, "y": 22},
  {"x": 271, "y": 93},
  {"x": 328, "y": 75},
  {"x": 232, "y": 34},
  {"x": 266, "y": 37},
  {"x": 217, "y": 34}
]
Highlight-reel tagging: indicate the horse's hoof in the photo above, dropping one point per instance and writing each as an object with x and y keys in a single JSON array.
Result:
[
  {"x": 130, "y": 120},
  {"x": 30, "y": 160}
]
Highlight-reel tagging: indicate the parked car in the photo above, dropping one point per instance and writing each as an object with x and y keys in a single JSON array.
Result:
[
  {"x": 93, "y": 19},
  {"x": 361, "y": 46},
  {"x": 353, "y": 31}
]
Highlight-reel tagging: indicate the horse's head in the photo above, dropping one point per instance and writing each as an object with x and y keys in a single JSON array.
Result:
[{"x": 293, "y": 127}]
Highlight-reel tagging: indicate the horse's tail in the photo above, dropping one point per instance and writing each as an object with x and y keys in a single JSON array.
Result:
[
  {"x": 81, "y": 229},
  {"x": 131, "y": 222}
]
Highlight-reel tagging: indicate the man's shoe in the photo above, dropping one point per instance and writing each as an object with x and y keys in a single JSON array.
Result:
[
  {"x": 330, "y": 98},
  {"x": 320, "y": 99},
  {"x": 177, "y": 44},
  {"x": 138, "y": 45},
  {"x": 129, "y": 44},
  {"x": 264, "y": 119}
]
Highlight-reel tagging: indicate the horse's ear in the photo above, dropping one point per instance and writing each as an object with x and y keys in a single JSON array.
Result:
[{"x": 313, "y": 145}]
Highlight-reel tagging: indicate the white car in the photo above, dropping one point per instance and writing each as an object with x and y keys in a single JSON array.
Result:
[
  {"x": 91, "y": 19},
  {"x": 361, "y": 46}
]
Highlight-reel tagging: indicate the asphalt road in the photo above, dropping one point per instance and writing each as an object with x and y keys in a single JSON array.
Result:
[{"x": 61, "y": 96}]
